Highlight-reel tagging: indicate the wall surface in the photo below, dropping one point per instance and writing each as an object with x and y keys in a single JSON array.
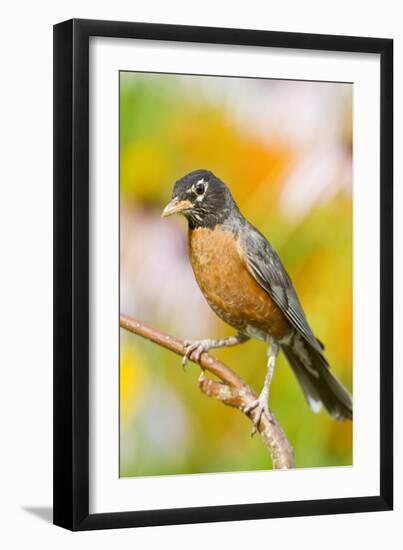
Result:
[{"x": 26, "y": 280}]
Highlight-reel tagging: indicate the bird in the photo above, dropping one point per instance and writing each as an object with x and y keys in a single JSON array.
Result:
[{"x": 246, "y": 284}]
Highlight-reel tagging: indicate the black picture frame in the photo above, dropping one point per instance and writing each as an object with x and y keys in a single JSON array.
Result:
[{"x": 71, "y": 273}]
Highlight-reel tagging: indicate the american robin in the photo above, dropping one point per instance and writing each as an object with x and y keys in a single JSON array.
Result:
[{"x": 245, "y": 283}]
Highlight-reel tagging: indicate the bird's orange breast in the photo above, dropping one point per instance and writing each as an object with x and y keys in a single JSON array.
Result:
[{"x": 229, "y": 288}]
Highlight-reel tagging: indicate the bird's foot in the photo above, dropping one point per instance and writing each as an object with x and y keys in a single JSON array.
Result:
[
  {"x": 262, "y": 408},
  {"x": 197, "y": 346},
  {"x": 200, "y": 346}
]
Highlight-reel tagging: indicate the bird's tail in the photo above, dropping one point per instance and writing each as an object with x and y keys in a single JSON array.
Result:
[{"x": 317, "y": 381}]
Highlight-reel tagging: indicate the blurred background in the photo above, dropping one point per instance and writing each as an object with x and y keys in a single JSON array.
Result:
[{"x": 284, "y": 148}]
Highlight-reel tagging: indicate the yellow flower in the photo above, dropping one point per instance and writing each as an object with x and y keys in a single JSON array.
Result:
[{"x": 133, "y": 379}]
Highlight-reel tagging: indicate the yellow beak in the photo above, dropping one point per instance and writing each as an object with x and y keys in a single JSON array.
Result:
[{"x": 176, "y": 207}]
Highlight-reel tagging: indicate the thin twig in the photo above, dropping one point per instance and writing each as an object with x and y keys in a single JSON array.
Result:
[{"x": 232, "y": 390}]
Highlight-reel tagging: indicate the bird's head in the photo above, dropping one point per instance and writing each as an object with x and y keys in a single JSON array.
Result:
[{"x": 202, "y": 198}]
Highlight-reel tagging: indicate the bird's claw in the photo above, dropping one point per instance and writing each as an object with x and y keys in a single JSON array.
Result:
[
  {"x": 262, "y": 407},
  {"x": 194, "y": 346}
]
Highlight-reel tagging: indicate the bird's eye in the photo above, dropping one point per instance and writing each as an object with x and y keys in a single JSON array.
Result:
[{"x": 199, "y": 188}]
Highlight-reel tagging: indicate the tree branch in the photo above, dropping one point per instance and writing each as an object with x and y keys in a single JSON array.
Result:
[{"x": 232, "y": 390}]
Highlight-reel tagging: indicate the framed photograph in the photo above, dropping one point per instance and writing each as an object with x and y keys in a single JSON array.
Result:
[{"x": 223, "y": 204}]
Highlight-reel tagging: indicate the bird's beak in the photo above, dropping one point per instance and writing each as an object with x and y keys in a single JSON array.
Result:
[{"x": 175, "y": 207}]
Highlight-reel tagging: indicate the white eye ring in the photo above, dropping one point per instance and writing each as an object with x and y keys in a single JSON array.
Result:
[{"x": 200, "y": 188}]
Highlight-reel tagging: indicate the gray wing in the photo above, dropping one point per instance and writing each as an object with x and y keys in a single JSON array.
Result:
[{"x": 266, "y": 267}]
